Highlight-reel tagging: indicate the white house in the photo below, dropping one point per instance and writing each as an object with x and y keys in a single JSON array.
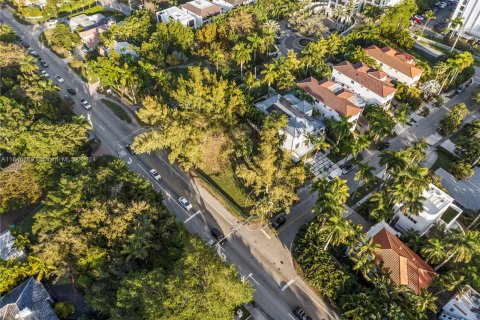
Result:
[
  {"x": 37, "y": 3},
  {"x": 465, "y": 305},
  {"x": 469, "y": 12},
  {"x": 230, "y": 4},
  {"x": 398, "y": 65},
  {"x": 8, "y": 251},
  {"x": 332, "y": 100},
  {"x": 435, "y": 205},
  {"x": 176, "y": 14},
  {"x": 85, "y": 21},
  {"x": 300, "y": 124},
  {"x": 381, "y": 3},
  {"x": 372, "y": 85},
  {"x": 202, "y": 10}
]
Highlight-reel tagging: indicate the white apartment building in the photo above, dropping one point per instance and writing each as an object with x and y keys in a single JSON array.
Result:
[
  {"x": 381, "y": 3},
  {"x": 372, "y": 85},
  {"x": 202, "y": 10},
  {"x": 176, "y": 14},
  {"x": 399, "y": 66},
  {"x": 230, "y": 4},
  {"x": 465, "y": 305},
  {"x": 469, "y": 12},
  {"x": 435, "y": 205},
  {"x": 332, "y": 100},
  {"x": 300, "y": 123}
]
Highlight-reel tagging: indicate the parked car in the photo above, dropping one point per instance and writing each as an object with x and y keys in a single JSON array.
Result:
[
  {"x": 460, "y": 89},
  {"x": 85, "y": 104},
  {"x": 44, "y": 73},
  {"x": 278, "y": 222},
  {"x": 129, "y": 149},
  {"x": 59, "y": 78},
  {"x": 301, "y": 314},
  {"x": 34, "y": 54},
  {"x": 52, "y": 22},
  {"x": 43, "y": 63},
  {"x": 155, "y": 174},
  {"x": 347, "y": 169},
  {"x": 218, "y": 235},
  {"x": 335, "y": 173},
  {"x": 71, "y": 91},
  {"x": 184, "y": 202},
  {"x": 383, "y": 146},
  {"x": 69, "y": 99}
]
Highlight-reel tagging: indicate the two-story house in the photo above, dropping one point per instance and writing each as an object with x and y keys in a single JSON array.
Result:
[
  {"x": 332, "y": 100},
  {"x": 176, "y": 14},
  {"x": 398, "y": 65},
  {"x": 230, "y": 4},
  {"x": 372, "y": 85},
  {"x": 202, "y": 10},
  {"x": 300, "y": 126}
]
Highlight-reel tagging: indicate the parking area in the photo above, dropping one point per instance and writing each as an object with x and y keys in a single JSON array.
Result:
[{"x": 320, "y": 165}]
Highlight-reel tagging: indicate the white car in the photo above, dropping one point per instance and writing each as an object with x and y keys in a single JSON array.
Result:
[
  {"x": 59, "y": 78},
  {"x": 155, "y": 174},
  {"x": 85, "y": 104},
  {"x": 44, "y": 73},
  {"x": 184, "y": 202}
]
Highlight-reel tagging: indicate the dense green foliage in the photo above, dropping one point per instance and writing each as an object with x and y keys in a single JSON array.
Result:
[{"x": 453, "y": 119}]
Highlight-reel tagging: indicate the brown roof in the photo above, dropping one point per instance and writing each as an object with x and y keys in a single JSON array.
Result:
[
  {"x": 404, "y": 265},
  {"x": 235, "y": 2},
  {"x": 400, "y": 61},
  {"x": 338, "y": 101},
  {"x": 204, "y": 12},
  {"x": 91, "y": 37},
  {"x": 373, "y": 79}
]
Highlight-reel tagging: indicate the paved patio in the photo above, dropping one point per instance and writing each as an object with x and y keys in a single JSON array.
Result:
[{"x": 320, "y": 165}]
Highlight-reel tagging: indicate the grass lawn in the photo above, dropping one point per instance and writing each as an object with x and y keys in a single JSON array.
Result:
[
  {"x": 362, "y": 191},
  {"x": 449, "y": 215},
  {"x": 444, "y": 160},
  {"x": 118, "y": 110}
]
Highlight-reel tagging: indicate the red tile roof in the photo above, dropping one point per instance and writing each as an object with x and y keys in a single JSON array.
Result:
[
  {"x": 372, "y": 79},
  {"x": 338, "y": 101},
  {"x": 91, "y": 37},
  {"x": 404, "y": 265},
  {"x": 204, "y": 12},
  {"x": 400, "y": 61}
]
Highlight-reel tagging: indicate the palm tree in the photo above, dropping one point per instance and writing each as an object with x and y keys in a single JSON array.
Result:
[
  {"x": 340, "y": 128},
  {"x": 256, "y": 43},
  {"x": 461, "y": 246},
  {"x": 365, "y": 255},
  {"x": 456, "y": 24},
  {"x": 476, "y": 96},
  {"x": 242, "y": 54},
  {"x": 364, "y": 173},
  {"x": 331, "y": 195},
  {"x": 417, "y": 151},
  {"x": 28, "y": 64},
  {"x": 359, "y": 144},
  {"x": 269, "y": 74},
  {"x": 319, "y": 142},
  {"x": 381, "y": 207},
  {"x": 429, "y": 15},
  {"x": 217, "y": 56},
  {"x": 271, "y": 27},
  {"x": 338, "y": 230}
]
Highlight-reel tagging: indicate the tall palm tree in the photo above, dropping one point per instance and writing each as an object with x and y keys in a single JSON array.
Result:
[
  {"x": 269, "y": 74},
  {"x": 338, "y": 230},
  {"x": 331, "y": 195},
  {"x": 340, "y": 128},
  {"x": 271, "y": 27},
  {"x": 461, "y": 246},
  {"x": 364, "y": 173},
  {"x": 381, "y": 208},
  {"x": 217, "y": 56},
  {"x": 256, "y": 43},
  {"x": 241, "y": 54},
  {"x": 28, "y": 64},
  {"x": 359, "y": 144},
  {"x": 429, "y": 15},
  {"x": 456, "y": 24}
]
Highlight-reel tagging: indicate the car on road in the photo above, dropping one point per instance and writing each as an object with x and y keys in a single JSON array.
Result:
[
  {"x": 85, "y": 104},
  {"x": 383, "y": 146},
  {"x": 278, "y": 222},
  {"x": 34, "y": 54},
  {"x": 335, "y": 173},
  {"x": 69, "y": 99},
  {"x": 184, "y": 203},
  {"x": 301, "y": 314},
  {"x": 129, "y": 149},
  {"x": 71, "y": 91},
  {"x": 43, "y": 63},
  {"x": 218, "y": 235},
  {"x": 347, "y": 169},
  {"x": 155, "y": 174},
  {"x": 44, "y": 73},
  {"x": 52, "y": 22},
  {"x": 59, "y": 78}
]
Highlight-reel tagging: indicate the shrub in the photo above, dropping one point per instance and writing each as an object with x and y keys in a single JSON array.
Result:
[
  {"x": 64, "y": 310},
  {"x": 462, "y": 170},
  {"x": 454, "y": 118}
]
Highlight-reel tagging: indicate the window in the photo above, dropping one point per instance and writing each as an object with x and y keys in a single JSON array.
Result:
[
  {"x": 451, "y": 309},
  {"x": 352, "y": 82},
  {"x": 297, "y": 145},
  {"x": 413, "y": 220}
]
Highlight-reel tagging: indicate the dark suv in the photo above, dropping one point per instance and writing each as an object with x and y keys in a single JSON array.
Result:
[
  {"x": 301, "y": 314},
  {"x": 218, "y": 235}
]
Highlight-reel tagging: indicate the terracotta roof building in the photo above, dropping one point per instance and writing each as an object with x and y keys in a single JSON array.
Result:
[
  {"x": 331, "y": 99},
  {"x": 398, "y": 65},
  {"x": 371, "y": 84},
  {"x": 404, "y": 265},
  {"x": 91, "y": 37},
  {"x": 202, "y": 10}
]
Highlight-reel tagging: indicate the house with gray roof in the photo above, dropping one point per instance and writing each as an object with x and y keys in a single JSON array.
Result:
[
  {"x": 300, "y": 126},
  {"x": 28, "y": 301}
]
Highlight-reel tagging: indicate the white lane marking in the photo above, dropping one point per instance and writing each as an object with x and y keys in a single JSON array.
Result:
[
  {"x": 164, "y": 190},
  {"x": 287, "y": 284},
  {"x": 192, "y": 216},
  {"x": 251, "y": 277},
  {"x": 266, "y": 234},
  {"x": 101, "y": 127},
  {"x": 315, "y": 300},
  {"x": 129, "y": 161},
  {"x": 291, "y": 316}
]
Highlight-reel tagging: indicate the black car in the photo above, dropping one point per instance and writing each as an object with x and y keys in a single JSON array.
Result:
[
  {"x": 218, "y": 235},
  {"x": 347, "y": 169},
  {"x": 43, "y": 63},
  {"x": 301, "y": 314},
  {"x": 280, "y": 221},
  {"x": 383, "y": 146},
  {"x": 71, "y": 91},
  {"x": 129, "y": 149}
]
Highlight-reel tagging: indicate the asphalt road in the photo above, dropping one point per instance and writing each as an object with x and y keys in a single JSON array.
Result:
[{"x": 259, "y": 256}]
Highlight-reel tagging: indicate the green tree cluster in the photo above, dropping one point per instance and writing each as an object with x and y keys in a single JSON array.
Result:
[
  {"x": 380, "y": 122},
  {"x": 63, "y": 38},
  {"x": 453, "y": 119}
]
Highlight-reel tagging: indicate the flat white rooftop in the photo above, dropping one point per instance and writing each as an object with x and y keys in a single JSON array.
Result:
[
  {"x": 201, "y": 4},
  {"x": 436, "y": 200},
  {"x": 177, "y": 14}
]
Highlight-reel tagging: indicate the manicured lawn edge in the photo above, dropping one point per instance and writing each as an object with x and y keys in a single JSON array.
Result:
[{"x": 118, "y": 110}]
